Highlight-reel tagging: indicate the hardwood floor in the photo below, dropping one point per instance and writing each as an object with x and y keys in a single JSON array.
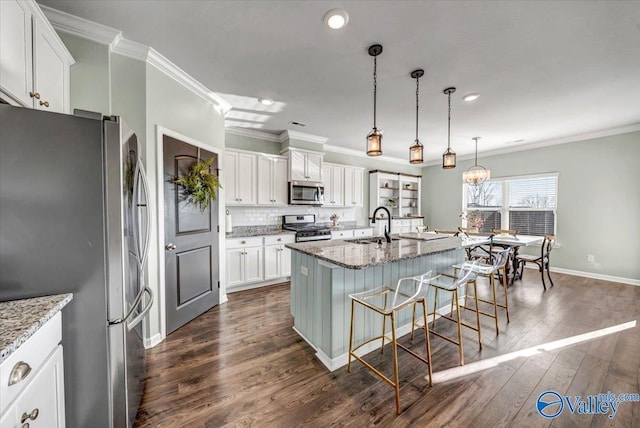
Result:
[{"x": 241, "y": 364}]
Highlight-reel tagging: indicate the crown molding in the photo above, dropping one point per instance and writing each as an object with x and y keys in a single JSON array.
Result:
[
  {"x": 251, "y": 133},
  {"x": 80, "y": 27},
  {"x": 288, "y": 134},
  {"x": 358, "y": 153},
  {"x": 102, "y": 34}
]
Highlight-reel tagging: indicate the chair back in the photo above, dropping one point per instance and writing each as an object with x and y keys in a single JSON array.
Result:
[
  {"x": 501, "y": 258},
  {"x": 421, "y": 229},
  {"x": 447, "y": 232},
  {"x": 467, "y": 273},
  {"x": 467, "y": 230},
  {"x": 547, "y": 246},
  {"x": 410, "y": 290},
  {"x": 511, "y": 232}
]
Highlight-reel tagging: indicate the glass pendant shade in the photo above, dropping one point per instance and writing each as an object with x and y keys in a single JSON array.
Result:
[
  {"x": 415, "y": 153},
  {"x": 449, "y": 159},
  {"x": 374, "y": 143},
  {"x": 477, "y": 173}
]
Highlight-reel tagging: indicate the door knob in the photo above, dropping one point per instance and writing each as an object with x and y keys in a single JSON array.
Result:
[{"x": 170, "y": 246}]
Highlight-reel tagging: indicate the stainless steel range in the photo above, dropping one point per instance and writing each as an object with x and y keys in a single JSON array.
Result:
[{"x": 306, "y": 228}]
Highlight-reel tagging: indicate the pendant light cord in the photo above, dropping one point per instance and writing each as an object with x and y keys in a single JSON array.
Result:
[
  {"x": 476, "y": 161},
  {"x": 417, "y": 104},
  {"x": 375, "y": 88},
  {"x": 449, "y": 125}
]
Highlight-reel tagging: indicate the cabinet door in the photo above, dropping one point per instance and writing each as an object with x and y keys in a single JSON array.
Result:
[
  {"x": 16, "y": 70},
  {"x": 265, "y": 181},
  {"x": 44, "y": 397},
  {"x": 337, "y": 184},
  {"x": 342, "y": 234},
  {"x": 298, "y": 165},
  {"x": 253, "y": 264},
  {"x": 49, "y": 71},
  {"x": 246, "y": 176},
  {"x": 230, "y": 183},
  {"x": 285, "y": 261},
  {"x": 358, "y": 190},
  {"x": 235, "y": 266},
  {"x": 280, "y": 181},
  {"x": 272, "y": 261},
  {"x": 314, "y": 166}
]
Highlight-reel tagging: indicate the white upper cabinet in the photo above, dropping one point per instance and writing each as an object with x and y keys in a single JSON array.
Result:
[
  {"x": 353, "y": 186},
  {"x": 333, "y": 180},
  {"x": 34, "y": 63},
  {"x": 272, "y": 180},
  {"x": 305, "y": 165},
  {"x": 240, "y": 178}
]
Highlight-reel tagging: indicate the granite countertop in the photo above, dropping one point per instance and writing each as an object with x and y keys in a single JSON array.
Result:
[
  {"x": 352, "y": 255},
  {"x": 21, "y": 319},
  {"x": 250, "y": 231}
]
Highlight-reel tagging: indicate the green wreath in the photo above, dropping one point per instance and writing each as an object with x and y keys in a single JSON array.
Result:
[{"x": 199, "y": 184}]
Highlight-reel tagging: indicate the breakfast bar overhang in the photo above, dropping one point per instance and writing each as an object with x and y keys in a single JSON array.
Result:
[{"x": 324, "y": 273}]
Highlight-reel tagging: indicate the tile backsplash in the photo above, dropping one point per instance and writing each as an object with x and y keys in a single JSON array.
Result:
[{"x": 254, "y": 216}]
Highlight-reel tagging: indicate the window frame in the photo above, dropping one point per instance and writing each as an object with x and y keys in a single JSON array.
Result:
[{"x": 504, "y": 209}]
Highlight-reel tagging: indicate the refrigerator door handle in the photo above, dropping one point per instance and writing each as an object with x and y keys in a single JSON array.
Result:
[
  {"x": 145, "y": 245},
  {"x": 133, "y": 307},
  {"x": 134, "y": 212},
  {"x": 131, "y": 324}
]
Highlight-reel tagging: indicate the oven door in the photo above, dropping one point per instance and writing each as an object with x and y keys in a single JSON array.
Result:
[{"x": 306, "y": 193}]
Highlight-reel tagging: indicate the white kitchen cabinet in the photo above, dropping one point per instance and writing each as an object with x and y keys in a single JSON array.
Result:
[
  {"x": 353, "y": 186},
  {"x": 272, "y": 180},
  {"x": 333, "y": 180},
  {"x": 341, "y": 234},
  {"x": 363, "y": 233},
  {"x": 305, "y": 165},
  {"x": 399, "y": 193},
  {"x": 240, "y": 178},
  {"x": 34, "y": 63},
  {"x": 37, "y": 399},
  {"x": 244, "y": 261},
  {"x": 277, "y": 258}
]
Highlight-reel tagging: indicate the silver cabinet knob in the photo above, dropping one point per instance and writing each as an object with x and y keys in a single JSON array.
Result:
[
  {"x": 26, "y": 416},
  {"x": 170, "y": 246},
  {"x": 20, "y": 371}
]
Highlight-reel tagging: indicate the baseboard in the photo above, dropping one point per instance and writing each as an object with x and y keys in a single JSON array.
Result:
[
  {"x": 258, "y": 284},
  {"x": 152, "y": 341},
  {"x": 600, "y": 276}
]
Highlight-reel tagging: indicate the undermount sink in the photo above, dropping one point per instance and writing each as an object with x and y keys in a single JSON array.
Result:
[{"x": 373, "y": 240}]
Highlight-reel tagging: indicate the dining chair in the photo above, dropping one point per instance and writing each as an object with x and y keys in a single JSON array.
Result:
[
  {"x": 542, "y": 260},
  {"x": 466, "y": 277},
  {"x": 447, "y": 232},
  {"x": 387, "y": 302},
  {"x": 468, "y": 230},
  {"x": 511, "y": 232}
]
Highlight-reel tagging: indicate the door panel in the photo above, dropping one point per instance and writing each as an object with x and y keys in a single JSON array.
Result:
[
  {"x": 265, "y": 185},
  {"x": 285, "y": 261},
  {"x": 235, "y": 267},
  {"x": 253, "y": 264},
  {"x": 191, "y": 240},
  {"x": 192, "y": 280},
  {"x": 271, "y": 262},
  {"x": 280, "y": 181}
]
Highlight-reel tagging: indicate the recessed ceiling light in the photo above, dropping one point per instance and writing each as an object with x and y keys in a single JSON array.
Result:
[
  {"x": 471, "y": 97},
  {"x": 266, "y": 101},
  {"x": 336, "y": 18}
]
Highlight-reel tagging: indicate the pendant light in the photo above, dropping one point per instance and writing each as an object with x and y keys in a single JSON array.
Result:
[
  {"x": 374, "y": 138},
  {"x": 449, "y": 157},
  {"x": 477, "y": 173},
  {"x": 415, "y": 151}
]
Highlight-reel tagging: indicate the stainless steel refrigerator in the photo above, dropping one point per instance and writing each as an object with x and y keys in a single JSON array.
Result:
[{"x": 74, "y": 217}]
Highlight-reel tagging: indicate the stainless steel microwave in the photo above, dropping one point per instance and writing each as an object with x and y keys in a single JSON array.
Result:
[{"x": 306, "y": 193}]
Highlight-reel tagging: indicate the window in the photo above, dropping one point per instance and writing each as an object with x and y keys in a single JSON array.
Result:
[{"x": 526, "y": 204}]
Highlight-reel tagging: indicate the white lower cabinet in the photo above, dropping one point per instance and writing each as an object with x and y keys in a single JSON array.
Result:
[
  {"x": 38, "y": 399},
  {"x": 362, "y": 233},
  {"x": 341, "y": 234},
  {"x": 250, "y": 261}
]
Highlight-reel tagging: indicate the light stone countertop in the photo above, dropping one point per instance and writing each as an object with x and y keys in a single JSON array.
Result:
[
  {"x": 353, "y": 255},
  {"x": 21, "y": 319}
]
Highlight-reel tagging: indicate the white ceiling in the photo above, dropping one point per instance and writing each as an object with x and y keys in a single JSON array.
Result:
[{"x": 544, "y": 70}]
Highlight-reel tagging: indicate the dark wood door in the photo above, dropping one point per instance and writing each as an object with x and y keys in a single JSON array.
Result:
[{"x": 192, "y": 272}]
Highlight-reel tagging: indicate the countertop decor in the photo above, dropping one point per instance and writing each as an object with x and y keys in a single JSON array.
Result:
[{"x": 21, "y": 319}]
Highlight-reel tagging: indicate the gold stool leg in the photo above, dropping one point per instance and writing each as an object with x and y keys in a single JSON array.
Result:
[
  {"x": 492, "y": 280},
  {"x": 413, "y": 321},
  {"x": 506, "y": 297},
  {"x": 426, "y": 339},
  {"x": 396, "y": 376},
  {"x": 475, "y": 295},
  {"x": 457, "y": 304},
  {"x": 353, "y": 306},
  {"x": 384, "y": 325},
  {"x": 435, "y": 306}
]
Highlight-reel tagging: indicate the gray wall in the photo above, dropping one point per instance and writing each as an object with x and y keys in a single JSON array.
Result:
[{"x": 598, "y": 200}]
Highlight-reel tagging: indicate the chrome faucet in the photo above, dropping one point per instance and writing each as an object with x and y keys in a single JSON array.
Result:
[{"x": 387, "y": 233}]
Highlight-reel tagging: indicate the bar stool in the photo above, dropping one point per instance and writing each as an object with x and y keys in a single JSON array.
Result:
[
  {"x": 453, "y": 284},
  {"x": 499, "y": 267},
  {"x": 387, "y": 302}
]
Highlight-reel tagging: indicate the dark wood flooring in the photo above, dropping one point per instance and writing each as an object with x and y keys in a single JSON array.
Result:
[{"x": 241, "y": 364}]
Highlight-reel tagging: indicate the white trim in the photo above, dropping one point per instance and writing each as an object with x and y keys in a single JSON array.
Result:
[
  {"x": 363, "y": 154},
  {"x": 80, "y": 27},
  {"x": 222, "y": 296},
  {"x": 251, "y": 133},
  {"x": 152, "y": 341},
  {"x": 599, "y": 276},
  {"x": 288, "y": 134},
  {"x": 251, "y": 286},
  {"x": 102, "y": 34}
]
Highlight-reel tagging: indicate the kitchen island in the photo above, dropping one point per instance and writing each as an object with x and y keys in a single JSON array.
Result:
[{"x": 324, "y": 273}]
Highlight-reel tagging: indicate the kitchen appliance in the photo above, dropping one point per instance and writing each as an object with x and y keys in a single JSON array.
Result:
[
  {"x": 75, "y": 218},
  {"x": 305, "y": 227},
  {"x": 306, "y": 193}
]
